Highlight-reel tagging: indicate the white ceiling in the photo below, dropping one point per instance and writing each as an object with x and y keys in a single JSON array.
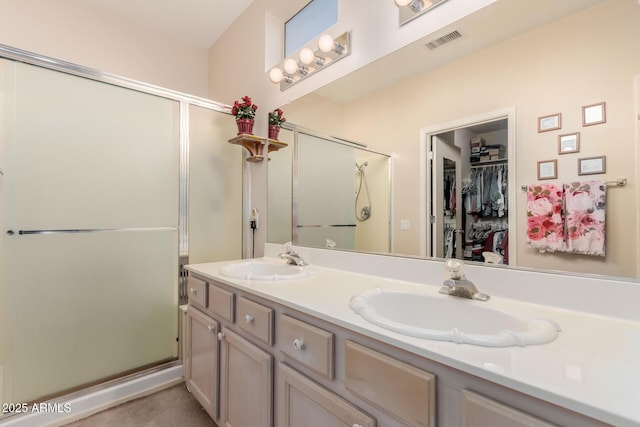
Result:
[{"x": 197, "y": 22}]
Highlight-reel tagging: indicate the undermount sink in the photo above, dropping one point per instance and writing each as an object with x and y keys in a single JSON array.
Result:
[
  {"x": 450, "y": 319},
  {"x": 264, "y": 270}
]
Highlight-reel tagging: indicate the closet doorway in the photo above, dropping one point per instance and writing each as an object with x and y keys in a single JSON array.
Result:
[{"x": 469, "y": 190}]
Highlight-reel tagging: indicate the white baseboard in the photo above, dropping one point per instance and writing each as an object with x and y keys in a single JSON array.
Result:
[{"x": 82, "y": 406}]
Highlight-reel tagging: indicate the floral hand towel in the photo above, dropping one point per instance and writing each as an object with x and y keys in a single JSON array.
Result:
[
  {"x": 585, "y": 205},
  {"x": 545, "y": 225}
]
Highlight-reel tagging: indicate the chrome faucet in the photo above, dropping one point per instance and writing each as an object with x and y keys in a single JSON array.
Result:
[
  {"x": 458, "y": 285},
  {"x": 292, "y": 256}
]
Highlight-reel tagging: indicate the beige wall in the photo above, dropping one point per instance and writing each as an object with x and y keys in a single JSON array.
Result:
[
  {"x": 587, "y": 58},
  {"x": 75, "y": 31}
]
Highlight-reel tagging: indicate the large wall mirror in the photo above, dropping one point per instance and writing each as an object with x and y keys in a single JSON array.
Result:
[{"x": 551, "y": 61}]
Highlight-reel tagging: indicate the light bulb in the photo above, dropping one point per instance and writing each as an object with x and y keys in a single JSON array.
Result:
[
  {"x": 290, "y": 66},
  {"x": 326, "y": 43},
  {"x": 402, "y": 3},
  {"x": 307, "y": 56},
  {"x": 276, "y": 75}
]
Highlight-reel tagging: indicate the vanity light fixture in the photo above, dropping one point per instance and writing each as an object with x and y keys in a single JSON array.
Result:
[
  {"x": 411, "y": 9},
  {"x": 415, "y": 5},
  {"x": 329, "y": 50}
]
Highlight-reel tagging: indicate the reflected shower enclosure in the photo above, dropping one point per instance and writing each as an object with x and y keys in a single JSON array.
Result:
[{"x": 328, "y": 192}]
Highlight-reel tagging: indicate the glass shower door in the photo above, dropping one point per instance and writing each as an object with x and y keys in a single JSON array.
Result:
[
  {"x": 325, "y": 193},
  {"x": 89, "y": 265}
]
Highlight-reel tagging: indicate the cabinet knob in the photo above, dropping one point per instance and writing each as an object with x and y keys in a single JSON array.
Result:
[
  {"x": 220, "y": 336},
  {"x": 193, "y": 290},
  {"x": 211, "y": 328},
  {"x": 298, "y": 343},
  {"x": 248, "y": 318}
]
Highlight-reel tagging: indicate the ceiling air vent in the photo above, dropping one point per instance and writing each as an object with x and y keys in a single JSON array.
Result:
[{"x": 443, "y": 40}]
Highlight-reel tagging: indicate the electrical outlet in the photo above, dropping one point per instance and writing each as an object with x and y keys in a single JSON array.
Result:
[{"x": 405, "y": 224}]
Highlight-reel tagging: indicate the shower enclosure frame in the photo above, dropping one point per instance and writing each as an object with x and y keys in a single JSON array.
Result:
[{"x": 185, "y": 101}]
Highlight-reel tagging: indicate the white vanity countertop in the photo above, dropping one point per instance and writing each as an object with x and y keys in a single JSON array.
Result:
[{"x": 592, "y": 368}]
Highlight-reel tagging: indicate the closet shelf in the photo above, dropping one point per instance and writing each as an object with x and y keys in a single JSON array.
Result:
[
  {"x": 255, "y": 145},
  {"x": 488, "y": 162}
]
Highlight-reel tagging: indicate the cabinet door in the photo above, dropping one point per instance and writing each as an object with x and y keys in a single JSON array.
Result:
[
  {"x": 302, "y": 402},
  {"x": 480, "y": 411},
  {"x": 246, "y": 387},
  {"x": 402, "y": 390},
  {"x": 202, "y": 364}
]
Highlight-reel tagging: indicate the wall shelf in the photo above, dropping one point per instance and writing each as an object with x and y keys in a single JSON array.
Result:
[
  {"x": 255, "y": 145},
  {"x": 275, "y": 145}
]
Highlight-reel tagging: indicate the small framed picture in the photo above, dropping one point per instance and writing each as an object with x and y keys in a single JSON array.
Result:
[
  {"x": 569, "y": 143},
  {"x": 551, "y": 122},
  {"x": 594, "y": 114},
  {"x": 592, "y": 165},
  {"x": 547, "y": 169}
]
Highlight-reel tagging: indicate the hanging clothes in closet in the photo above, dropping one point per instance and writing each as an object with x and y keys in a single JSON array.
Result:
[
  {"x": 450, "y": 191},
  {"x": 487, "y": 194},
  {"x": 485, "y": 199}
]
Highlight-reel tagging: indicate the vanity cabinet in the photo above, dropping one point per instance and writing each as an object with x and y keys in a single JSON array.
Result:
[
  {"x": 228, "y": 375},
  {"x": 275, "y": 365}
]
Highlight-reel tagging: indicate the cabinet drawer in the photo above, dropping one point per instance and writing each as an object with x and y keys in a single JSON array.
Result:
[
  {"x": 221, "y": 302},
  {"x": 307, "y": 344},
  {"x": 255, "y": 319},
  {"x": 402, "y": 390},
  {"x": 197, "y": 291}
]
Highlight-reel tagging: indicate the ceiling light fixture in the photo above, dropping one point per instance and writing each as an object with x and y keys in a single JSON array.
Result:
[{"x": 330, "y": 50}]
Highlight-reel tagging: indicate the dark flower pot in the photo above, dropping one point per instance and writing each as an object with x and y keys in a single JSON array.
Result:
[
  {"x": 274, "y": 130},
  {"x": 245, "y": 126}
]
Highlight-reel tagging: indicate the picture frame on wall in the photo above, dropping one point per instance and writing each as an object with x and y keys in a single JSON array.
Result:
[
  {"x": 592, "y": 165},
  {"x": 547, "y": 169},
  {"x": 594, "y": 114},
  {"x": 569, "y": 143},
  {"x": 550, "y": 122}
]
